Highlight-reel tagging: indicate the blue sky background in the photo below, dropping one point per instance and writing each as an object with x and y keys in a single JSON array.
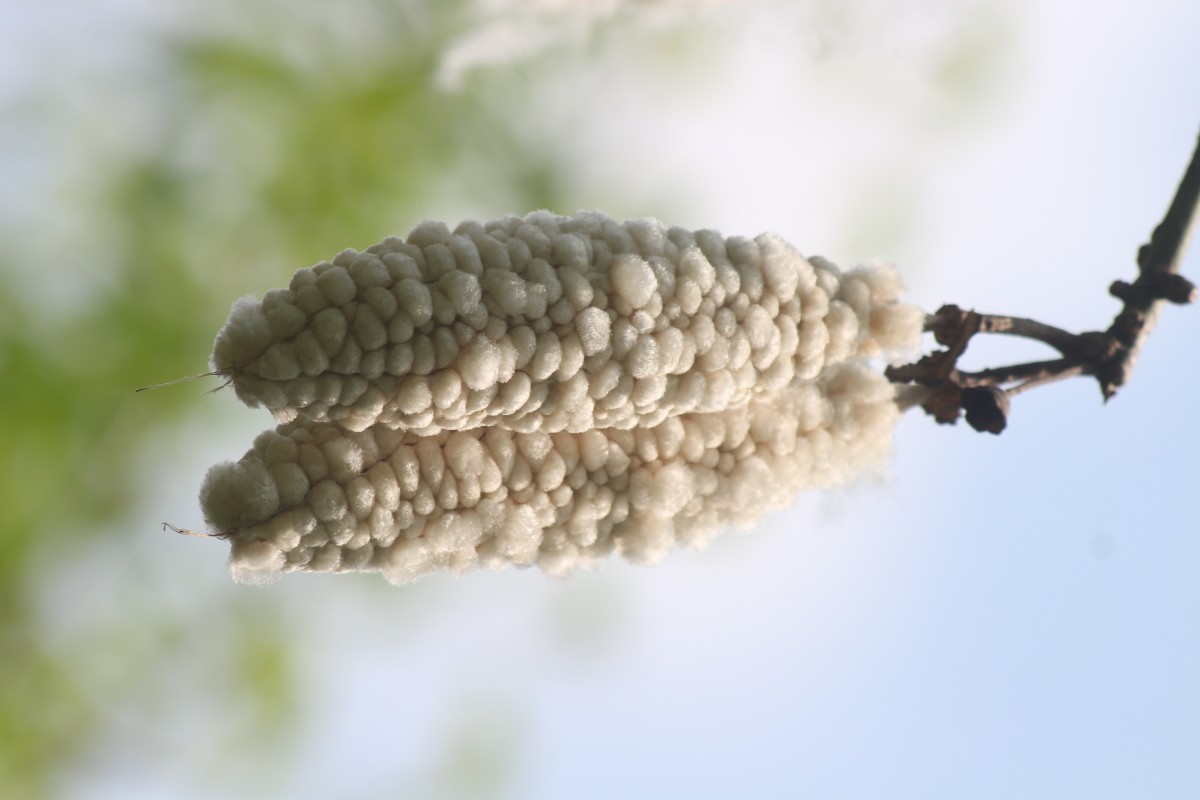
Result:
[{"x": 1002, "y": 617}]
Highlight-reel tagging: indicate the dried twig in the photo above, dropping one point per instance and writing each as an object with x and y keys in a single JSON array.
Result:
[{"x": 1108, "y": 355}]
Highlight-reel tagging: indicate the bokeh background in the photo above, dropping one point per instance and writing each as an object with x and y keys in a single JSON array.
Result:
[{"x": 1002, "y": 617}]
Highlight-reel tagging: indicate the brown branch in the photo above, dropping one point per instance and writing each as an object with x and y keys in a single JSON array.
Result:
[
  {"x": 1035, "y": 373},
  {"x": 1108, "y": 355},
  {"x": 1063, "y": 341},
  {"x": 1158, "y": 280}
]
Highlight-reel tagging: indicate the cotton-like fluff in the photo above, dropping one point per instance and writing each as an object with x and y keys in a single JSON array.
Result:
[
  {"x": 554, "y": 324},
  {"x": 315, "y": 497}
]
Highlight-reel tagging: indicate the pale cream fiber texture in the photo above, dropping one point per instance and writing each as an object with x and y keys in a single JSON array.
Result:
[
  {"x": 547, "y": 390},
  {"x": 550, "y": 323}
]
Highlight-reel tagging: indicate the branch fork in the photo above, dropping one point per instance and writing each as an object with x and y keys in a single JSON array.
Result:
[{"x": 946, "y": 392}]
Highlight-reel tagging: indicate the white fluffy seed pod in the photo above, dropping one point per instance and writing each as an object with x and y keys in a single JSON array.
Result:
[
  {"x": 312, "y": 496},
  {"x": 549, "y": 323}
]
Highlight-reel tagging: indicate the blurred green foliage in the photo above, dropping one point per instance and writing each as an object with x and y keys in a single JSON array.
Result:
[{"x": 276, "y": 142}]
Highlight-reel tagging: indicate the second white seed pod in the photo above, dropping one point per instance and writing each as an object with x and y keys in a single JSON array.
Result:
[
  {"x": 552, "y": 323},
  {"x": 315, "y": 497}
]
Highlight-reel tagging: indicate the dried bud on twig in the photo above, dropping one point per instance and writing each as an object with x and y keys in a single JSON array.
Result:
[{"x": 986, "y": 408}]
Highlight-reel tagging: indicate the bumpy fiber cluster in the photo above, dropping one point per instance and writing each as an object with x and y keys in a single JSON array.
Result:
[{"x": 547, "y": 390}]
